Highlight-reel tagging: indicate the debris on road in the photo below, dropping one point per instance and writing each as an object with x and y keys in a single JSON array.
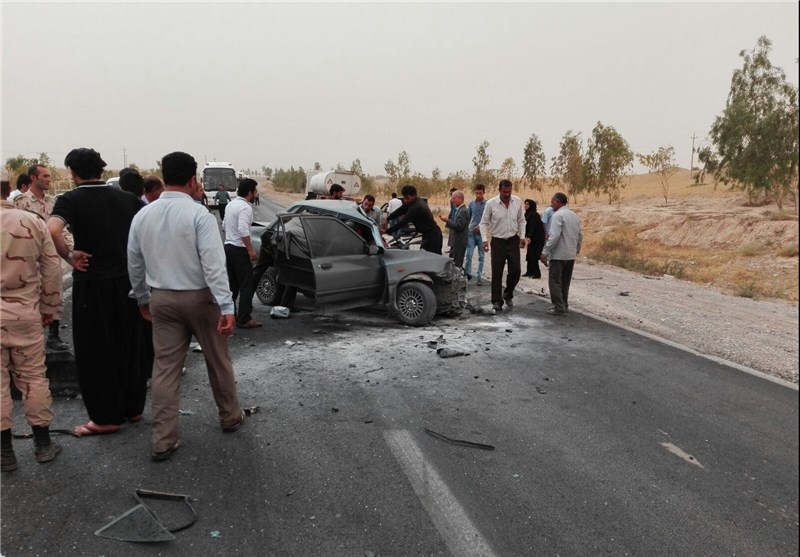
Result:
[
  {"x": 624, "y": 293},
  {"x": 251, "y": 410},
  {"x": 540, "y": 390},
  {"x": 280, "y": 312},
  {"x": 195, "y": 347},
  {"x": 373, "y": 370},
  {"x": 459, "y": 442},
  {"x": 450, "y": 353},
  {"x": 215, "y": 534},
  {"x": 186, "y": 412},
  {"x": 142, "y": 524}
]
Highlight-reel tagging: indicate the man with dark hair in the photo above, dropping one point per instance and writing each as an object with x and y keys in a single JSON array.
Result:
[
  {"x": 38, "y": 200},
  {"x": 182, "y": 286},
  {"x": 504, "y": 220},
  {"x": 336, "y": 191},
  {"x": 368, "y": 206},
  {"x": 23, "y": 182},
  {"x": 239, "y": 252},
  {"x": 416, "y": 211},
  {"x": 458, "y": 223},
  {"x": 153, "y": 188},
  {"x": 222, "y": 197},
  {"x": 559, "y": 253},
  {"x": 30, "y": 284},
  {"x": 131, "y": 181},
  {"x": 106, "y": 325},
  {"x": 476, "y": 208}
]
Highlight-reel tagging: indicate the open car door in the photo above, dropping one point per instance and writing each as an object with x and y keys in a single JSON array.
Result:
[{"x": 323, "y": 255}]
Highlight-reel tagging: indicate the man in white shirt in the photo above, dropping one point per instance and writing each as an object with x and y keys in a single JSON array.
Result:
[
  {"x": 559, "y": 253},
  {"x": 393, "y": 205},
  {"x": 181, "y": 285},
  {"x": 504, "y": 220},
  {"x": 368, "y": 206},
  {"x": 239, "y": 252},
  {"x": 23, "y": 183}
]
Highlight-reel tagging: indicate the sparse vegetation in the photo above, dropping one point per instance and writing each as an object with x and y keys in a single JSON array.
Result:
[
  {"x": 788, "y": 251},
  {"x": 751, "y": 250}
]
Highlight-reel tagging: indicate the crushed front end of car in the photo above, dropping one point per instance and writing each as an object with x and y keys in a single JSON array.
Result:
[{"x": 450, "y": 286}]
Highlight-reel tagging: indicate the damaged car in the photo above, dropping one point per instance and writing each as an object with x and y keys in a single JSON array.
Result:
[{"x": 331, "y": 252}]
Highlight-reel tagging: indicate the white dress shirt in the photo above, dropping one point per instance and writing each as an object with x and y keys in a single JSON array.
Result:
[
  {"x": 503, "y": 222},
  {"x": 238, "y": 218},
  {"x": 174, "y": 244}
]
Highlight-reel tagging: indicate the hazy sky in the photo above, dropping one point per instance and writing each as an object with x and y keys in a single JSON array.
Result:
[{"x": 288, "y": 84}]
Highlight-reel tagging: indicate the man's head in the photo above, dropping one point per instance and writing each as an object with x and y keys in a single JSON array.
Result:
[
  {"x": 409, "y": 194},
  {"x": 368, "y": 203},
  {"x": 336, "y": 191},
  {"x": 131, "y": 181},
  {"x": 480, "y": 191},
  {"x": 40, "y": 178},
  {"x": 5, "y": 184},
  {"x": 85, "y": 164},
  {"x": 23, "y": 182},
  {"x": 559, "y": 200},
  {"x": 394, "y": 194},
  {"x": 153, "y": 187},
  {"x": 247, "y": 189},
  {"x": 505, "y": 188},
  {"x": 179, "y": 169},
  {"x": 457, "y": 198}
]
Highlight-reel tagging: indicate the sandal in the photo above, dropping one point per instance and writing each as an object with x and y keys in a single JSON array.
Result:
[
  {"x": 252, "y": 324},
  {"x": 91, "y": 428}
]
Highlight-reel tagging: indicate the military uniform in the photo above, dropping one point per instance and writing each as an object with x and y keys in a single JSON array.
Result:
[{"x": 30, "y": 286}]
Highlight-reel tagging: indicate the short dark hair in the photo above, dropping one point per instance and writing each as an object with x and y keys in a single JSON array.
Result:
[
  {"x": 505, "y": 184},
  {"x": 335, "y": 188},
  {"x": 560, "y": 197},
  {"x": 178, "y": 168},
  {"x": 246, "y": 186},
  {"x": 85, "y": 162},
  {"x": 453, "y": 189},
  {"x": 152, "y": 182},
  {"x": 394, "y": 194},
  {"x": 23, "y": 180},
  {"x": 131, "y": 181},
  {"x": 33, "y": 170},
  {"x": 480, "y": 187},
  {"x": 369, "y": 197},
  {"x": 408, "y": 189}
]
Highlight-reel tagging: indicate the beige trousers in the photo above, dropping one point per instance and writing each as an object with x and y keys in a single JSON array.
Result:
[
  {"x": 22, "y": 360},
  {"x": 177, "y": 315}
]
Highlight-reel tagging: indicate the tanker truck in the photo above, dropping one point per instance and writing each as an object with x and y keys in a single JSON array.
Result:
[{"x": 320, "y": 181}]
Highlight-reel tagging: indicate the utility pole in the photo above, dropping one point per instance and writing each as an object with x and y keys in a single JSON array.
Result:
[
  {"x": 124, "y": 158},
  {"x": 691, "y": 164}
]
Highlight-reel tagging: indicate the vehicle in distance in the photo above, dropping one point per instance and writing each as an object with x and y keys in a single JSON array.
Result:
[
  {"x": 216, "y": 174},
  {"x": 330, "y": 251},
  {"x": 319, "y": 182},
  {"x": 113, "y": 182}
]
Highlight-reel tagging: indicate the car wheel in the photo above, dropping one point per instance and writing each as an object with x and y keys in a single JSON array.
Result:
[
  {"x": 416, "y": 303},
  {"x": 268, "y": 290}
]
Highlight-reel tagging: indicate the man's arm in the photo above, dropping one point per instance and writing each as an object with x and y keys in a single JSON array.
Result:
[
  {"x": 243, "y": 229},
  {"x": 461, "y": 221},
  {"x": 555, "y": 236},
  {"x": 212, "y": 259},
  {"x": 50, "y": 295},
  {"x": 78, "y": 259},
  {"x": 485, "y": 224},
  {"x": 136, "y": 266},
  {"x": 400, "y": 215}
]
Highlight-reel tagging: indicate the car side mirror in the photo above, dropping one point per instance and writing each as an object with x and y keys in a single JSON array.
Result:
[{"x": 374, "y": 250}]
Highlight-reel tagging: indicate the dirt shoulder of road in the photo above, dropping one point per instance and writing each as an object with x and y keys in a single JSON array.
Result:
[{"x": 761, "y": 334}]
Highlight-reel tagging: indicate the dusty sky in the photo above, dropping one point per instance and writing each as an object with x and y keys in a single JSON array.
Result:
[{"x": 281, "y": 84}]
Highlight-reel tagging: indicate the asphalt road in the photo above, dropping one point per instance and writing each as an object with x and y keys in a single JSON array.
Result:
[{"x": 605, "y": 442}]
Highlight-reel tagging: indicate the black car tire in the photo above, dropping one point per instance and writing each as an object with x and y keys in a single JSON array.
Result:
[
  {"x": 268, "y": 291},
  {"x": 416, "y": 303}
]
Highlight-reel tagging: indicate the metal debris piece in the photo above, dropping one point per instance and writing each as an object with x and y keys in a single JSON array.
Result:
[
  {"x": 138, "y": 524},
  {"x": 252, "y": 410},
  {"x": 195, "y": 347},
  {"x": 450, "y": 353},
  {"x": 334, "y": 409},
  {"x": 290, "y": 343},
  {"x": 540, "y": 390},
  {"x": 624, "y": 293},
  {"x": 432, "y": 344},
  {"x": 215, "y": 534},
  {"x": 373, "y": 370},
  {"x": 186, "y": 412},
  {"x": 460, "y": 442},
  {"x": 141, "y": 494}
]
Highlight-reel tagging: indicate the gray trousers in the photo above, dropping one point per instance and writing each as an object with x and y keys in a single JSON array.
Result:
[
  {"x": 559, "y": 280},
  {"x": 177, "y": 315}
]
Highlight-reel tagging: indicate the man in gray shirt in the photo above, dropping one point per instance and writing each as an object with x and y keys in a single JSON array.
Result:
[
  {"x": 176, "y": 264},
  {"x": 559, "y": 253}
]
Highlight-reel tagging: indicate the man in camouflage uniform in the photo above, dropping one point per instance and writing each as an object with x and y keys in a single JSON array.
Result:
[
  {"x": 30, "y": 294},
  {"x": 38, "y": 200}
]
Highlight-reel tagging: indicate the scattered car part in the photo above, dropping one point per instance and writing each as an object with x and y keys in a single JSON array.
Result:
[{"x": 459, "y": 442}]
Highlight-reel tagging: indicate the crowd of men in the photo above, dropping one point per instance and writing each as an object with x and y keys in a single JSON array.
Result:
[{"x": 138, "y": 299}]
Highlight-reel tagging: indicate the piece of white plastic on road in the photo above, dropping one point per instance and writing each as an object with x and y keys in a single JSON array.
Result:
[
  {"x": 674, "y": 449},
  {"x": 450, "y": 519}
]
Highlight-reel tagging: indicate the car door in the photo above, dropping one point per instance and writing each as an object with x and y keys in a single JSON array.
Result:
[
  {"x": 292, "y": 254},
  {"x": 348, "y": 272}
]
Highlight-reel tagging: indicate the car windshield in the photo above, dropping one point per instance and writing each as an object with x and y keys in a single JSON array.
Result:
[{"x": 213, "y": 178}]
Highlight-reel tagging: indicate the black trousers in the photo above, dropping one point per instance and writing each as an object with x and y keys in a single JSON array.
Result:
[
  {"x": 240, "y": 279},
  {"x": 109, "y": 350},
  {"x": 559, "y": 280},
  {"x": 432, "y": 241},
  {"x": 532, "y": 258},
  {"x": 502, "y": 251}
]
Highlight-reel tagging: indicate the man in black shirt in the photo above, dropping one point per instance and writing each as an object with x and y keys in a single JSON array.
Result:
[
  {"x": 107, "y": 325},
  {"x": 417, "y": 212}
]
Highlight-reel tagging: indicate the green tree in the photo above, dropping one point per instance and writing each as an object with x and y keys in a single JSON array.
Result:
[
  {"x": 567, "y": 167},
  {"x": 481, "y": 162},
  {"x": 508, "y": 169},
  {"x": 404, "y": 166},
  {"x": 608, "y": 162},
  {"x": 661, "y": 162},
  {"x": 533, "y": 163},
  {"x": 393, "y": 173},
  {"x": 367, "y": 183},
  {"x": 755, "y": 138},
  {"x": 267, "y": 171}
]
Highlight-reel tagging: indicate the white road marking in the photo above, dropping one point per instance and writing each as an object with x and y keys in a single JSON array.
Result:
[
  {"x": 674, "y": 449},
  {"x": 450, "y": 519}
]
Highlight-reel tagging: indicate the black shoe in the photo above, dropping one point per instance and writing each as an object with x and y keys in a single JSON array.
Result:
[
  {"x": 47, "y": 452},
  {"x": 509, "y": 300},
  {"x": 54, "y": 342},
  {"x": 9, "y": 460},
  {"x": 497, "y": 307}
]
